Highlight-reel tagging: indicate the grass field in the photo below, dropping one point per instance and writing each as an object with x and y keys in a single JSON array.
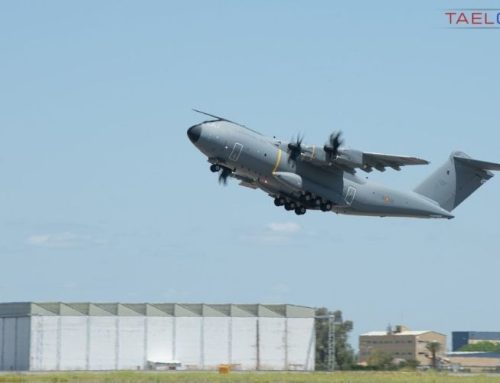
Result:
[{"x": 206, "y": 377}]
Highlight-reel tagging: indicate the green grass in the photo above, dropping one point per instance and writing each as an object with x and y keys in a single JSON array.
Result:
[{"x": 240, "y": 377}]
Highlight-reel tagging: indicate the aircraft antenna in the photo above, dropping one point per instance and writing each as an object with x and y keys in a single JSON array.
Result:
[{"x": 219, "y": 118}]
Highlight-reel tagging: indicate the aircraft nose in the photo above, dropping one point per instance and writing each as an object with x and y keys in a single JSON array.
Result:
[{"x": 194, "y": 133}]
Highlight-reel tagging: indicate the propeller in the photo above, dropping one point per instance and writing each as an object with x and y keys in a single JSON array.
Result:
[
  {"x": 332, "y": 147},
  {"x": 225, "y": 172},
  {"x": 295, "y": 149}
]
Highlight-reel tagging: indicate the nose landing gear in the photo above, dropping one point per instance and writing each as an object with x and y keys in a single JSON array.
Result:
[{"x": 224, "y": 172}]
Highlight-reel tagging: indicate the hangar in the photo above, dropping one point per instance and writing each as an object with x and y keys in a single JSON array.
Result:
[{"x": 121, "y": 336}]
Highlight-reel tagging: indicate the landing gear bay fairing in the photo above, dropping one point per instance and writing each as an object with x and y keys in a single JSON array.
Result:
[{"x": 308, "y": 177}]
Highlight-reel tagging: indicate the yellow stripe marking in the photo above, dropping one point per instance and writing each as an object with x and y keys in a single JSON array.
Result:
[{"x": 278, "y": 160}]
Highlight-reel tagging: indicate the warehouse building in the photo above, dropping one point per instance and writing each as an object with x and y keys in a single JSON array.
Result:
[
  {"x": 463, "y": 338},
  {"x": 401, "y": 343},
  {"x": 473, "y": 361},
  {"x": 114, "y": 336}
]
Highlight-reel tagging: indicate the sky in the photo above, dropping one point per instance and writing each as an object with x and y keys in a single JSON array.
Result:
[{"x": 103, "y": 197}]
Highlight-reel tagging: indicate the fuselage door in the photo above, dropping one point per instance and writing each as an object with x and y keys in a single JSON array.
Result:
[
  {"x": 235, "y": 154},
  {"x": 349, "y": 197}
]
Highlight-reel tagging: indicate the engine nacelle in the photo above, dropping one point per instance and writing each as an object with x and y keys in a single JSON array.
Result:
[{"x": 291, "y": 180}]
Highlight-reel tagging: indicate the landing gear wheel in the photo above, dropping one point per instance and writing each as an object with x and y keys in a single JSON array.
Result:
[
  {"x": 327, "y": 206},
  {"x": 214, "y": 168},
  {"x": 306, "y": 197},
  {"x": 300, "y": 210},
  {"x": 279, "y": 201},
  {"x": 290, "y": 206}
]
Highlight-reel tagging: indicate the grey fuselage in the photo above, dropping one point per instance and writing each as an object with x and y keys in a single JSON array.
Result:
[{"x": 263, "y": 162}]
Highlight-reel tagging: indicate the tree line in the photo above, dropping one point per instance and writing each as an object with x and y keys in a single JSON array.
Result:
[
  {"x": 484, "y": 346},
  {"x": 345, "y": 357}
]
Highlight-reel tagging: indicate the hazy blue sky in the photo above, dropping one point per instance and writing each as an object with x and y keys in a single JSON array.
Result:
[{"x": 103, "y": 197}]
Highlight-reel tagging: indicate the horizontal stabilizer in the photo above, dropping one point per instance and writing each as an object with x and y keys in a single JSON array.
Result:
[{"x": 479, "y": 164}]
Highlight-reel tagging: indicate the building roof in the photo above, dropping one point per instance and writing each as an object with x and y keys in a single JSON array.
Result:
[
  {"x": 16, "y": 309},
  {"x": 402, "y": 333},
  {"x": 474, "y": 354}
]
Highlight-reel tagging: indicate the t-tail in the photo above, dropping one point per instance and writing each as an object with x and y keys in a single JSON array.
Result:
[{"x": 456, "y": 179}]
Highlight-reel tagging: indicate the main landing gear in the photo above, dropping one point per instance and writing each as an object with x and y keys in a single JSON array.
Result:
[
  {"x": 279, "y": 201},
  {"x": 301, "y": 210},
  {"x": 327, "y": 206},
  {"x": 290, "y": 205},
  {"x": 304, "y": 202}
]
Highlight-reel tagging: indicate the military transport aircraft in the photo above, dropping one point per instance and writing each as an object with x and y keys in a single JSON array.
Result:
[{"x": 308, "y": 177}]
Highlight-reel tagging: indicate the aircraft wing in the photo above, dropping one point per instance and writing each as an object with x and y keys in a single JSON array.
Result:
[
  {"x": 351, "y": 159},
  {"x": 381, "y": 161}
]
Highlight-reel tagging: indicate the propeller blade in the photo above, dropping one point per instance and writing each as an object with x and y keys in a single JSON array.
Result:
[
  {"x": 295, "y": 149},
  {"x": 334, "y": 142}
]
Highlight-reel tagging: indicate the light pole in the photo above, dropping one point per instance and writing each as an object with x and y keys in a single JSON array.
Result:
[{"x": 333, "y": 321}]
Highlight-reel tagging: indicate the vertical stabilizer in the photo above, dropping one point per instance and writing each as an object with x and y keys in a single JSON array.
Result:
[{"x": 456, "y": 179}]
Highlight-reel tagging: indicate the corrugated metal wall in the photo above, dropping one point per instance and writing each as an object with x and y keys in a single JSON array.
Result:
[
  {"x": 14, "y": 343},
  {"x": 121, "y": 342},
  {"x": 244, "y": 342}
]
